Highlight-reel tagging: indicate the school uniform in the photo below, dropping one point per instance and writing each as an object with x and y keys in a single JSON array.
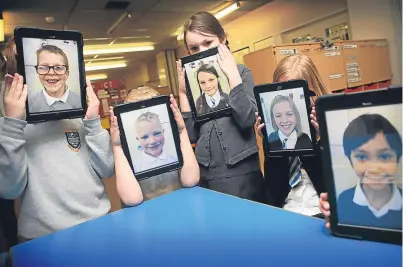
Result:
[
  {"x": 147, "y": 161},
  {"x": 353, "y": 208},
  {"x": 43, "y": 102},
  {"x": 206, "y": 104},
  {"x": 226, "y": 148},
  {"x": 277, "y": 140}
]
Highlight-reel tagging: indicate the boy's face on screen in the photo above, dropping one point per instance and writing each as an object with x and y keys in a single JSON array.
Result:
[
  {"x": 284, "y": 117},
  {"x": 150, "y": 135},
  {"x": 208, "y": 83},
  {"x": 375, "y": 162},
  {"x": 54, "y": 83}
]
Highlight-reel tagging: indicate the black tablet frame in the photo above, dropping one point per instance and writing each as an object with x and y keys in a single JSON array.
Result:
[
  {"x": 345, "y": 101},
  {"x": 209, "y": 116},
  {"x": 128, "y": 107},
  {"x": 279, "y": 86},
  {"x": 25, "y": 32}
]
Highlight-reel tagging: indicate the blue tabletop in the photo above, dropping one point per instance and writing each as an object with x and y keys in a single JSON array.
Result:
[{"x": 198, "y": 227}]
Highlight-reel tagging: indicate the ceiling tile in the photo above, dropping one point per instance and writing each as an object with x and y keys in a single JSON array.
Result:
[{"x": 185, "y": 6}]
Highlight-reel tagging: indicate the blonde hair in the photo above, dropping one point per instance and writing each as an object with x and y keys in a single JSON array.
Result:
[
  {"x": 304, "y": 68},
  {"x": 141, "y": 93},
  {"x": 279, "y": 99}
]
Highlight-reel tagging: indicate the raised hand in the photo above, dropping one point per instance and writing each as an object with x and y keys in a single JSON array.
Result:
[
  {"x": 324, "y": 207},
  {"x": 228, "y": 66},
  {"x": 314, "y": 122},
  {"x": 15, "y": 98},
  {"x": 177, "y": 114},
  {"x": 258, "y": 125},
  {"x": 114, "y": 129},
  {"x": 181, "y": 77},
  {"x": 92, "y": 104}
]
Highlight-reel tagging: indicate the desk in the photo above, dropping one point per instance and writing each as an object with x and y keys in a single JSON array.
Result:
[{"x": 198, "y": 227}]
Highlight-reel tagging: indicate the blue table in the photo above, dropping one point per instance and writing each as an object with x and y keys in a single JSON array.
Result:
[{"x": 198, "y": 227}]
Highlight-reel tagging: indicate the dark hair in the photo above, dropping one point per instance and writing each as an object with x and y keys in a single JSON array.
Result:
[
  {"x": 54, "y": 50},
  {"x": 364, "y": 128},
  {"x": 9, "y": 55},
  {"x": 207, "y": 68},
  {"x": 204, "y": 22}
]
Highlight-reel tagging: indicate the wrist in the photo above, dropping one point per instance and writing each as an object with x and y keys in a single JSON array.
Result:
[{"x": 235, "y": 80}]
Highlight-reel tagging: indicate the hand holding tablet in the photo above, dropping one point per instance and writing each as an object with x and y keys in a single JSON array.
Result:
[{"x": 15, "y": 98}]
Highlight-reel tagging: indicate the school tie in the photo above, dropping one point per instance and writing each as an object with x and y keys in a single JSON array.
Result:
[
  {"x": 212, "y": 101},
  {"x": 284, "y": 145},
  {"x": 294, "y": 171}
]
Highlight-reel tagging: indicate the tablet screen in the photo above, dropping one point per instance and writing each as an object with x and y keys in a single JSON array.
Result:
[
  {"x": 149, "y": 137},
  {"x": 286, "y": 119},
  {"x": 52, "y": 75},
  {"x": 208, "y": 85},
  {"x": 366, "y": 148}
]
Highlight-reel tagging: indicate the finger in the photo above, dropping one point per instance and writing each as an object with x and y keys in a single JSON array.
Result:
[
  {"x": 221, "y": 52},
  {"x": 90, "y": 90},
  {"x": 24, "y": 93},
  {"x": 10, "y": 90},
  {"x": 19, "y": 87},
  {"x": 260, "y": 127},
  {"x": 327, "y": 225}
]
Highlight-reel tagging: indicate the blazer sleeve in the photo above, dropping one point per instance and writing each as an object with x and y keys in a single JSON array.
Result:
[
  {"x": 191, "y": 127},
  {"x": 276, "y": 176},
  {"x": 243, "y": 102}
]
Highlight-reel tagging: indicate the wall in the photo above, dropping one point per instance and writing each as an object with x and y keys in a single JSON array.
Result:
[
  {"x": 278, "y": 17},
  {"x": 372, "y": 19}
]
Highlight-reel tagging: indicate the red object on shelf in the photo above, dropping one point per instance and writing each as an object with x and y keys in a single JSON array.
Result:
[
  {"x": 384, "y": 84},
  {"x": 368, "y": 87},
  {"x": 110, "y": 93},
  {"x": 354, "y": 89}
]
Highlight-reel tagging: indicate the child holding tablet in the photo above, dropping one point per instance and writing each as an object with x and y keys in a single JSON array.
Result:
[
  {"x": 53, "y": 70},
  {"x": 212, "y": 98},
  {"x": 131, "y": 191},
  {"x": 289, "y": 185},
  {"x": 226, "y": 148},
  {"x": 374, "y": 148},
  {"x": 57, "y": 167},
  {"x": 287, "y": 124}
]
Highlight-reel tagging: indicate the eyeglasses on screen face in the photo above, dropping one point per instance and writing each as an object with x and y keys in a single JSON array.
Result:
[{"x": 43, "y": 69}]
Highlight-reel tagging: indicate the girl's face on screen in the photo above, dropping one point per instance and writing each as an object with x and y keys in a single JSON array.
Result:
[
  {"x": 150, "y": 135},
  {"x": 375, "y": 162},
  {"x": 54, "y": 84},
  {"x": 284, "y": 117},
  {"x": 208, "y": 82}
]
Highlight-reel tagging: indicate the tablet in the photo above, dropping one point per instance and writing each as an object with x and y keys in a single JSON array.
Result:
[
  {"x": 149, "y": 136},
  {"x": 207, "y": 86},
  {"x": 361, "y": 155},
  {"x": 285, "y": 108},
  {"x": 52, "y": 65}
]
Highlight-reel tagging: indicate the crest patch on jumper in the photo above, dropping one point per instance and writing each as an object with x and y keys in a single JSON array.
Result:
[{"x": 73, "y": 140}]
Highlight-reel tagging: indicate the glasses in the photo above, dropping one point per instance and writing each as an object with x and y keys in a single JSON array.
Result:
[{"x": 43, "y": 70}]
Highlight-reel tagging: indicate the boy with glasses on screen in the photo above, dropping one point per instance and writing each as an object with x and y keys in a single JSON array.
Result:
[{"x": 53, "y": 70}]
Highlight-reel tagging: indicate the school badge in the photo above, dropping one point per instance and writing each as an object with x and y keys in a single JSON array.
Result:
[{"x": 73, "y": 140}]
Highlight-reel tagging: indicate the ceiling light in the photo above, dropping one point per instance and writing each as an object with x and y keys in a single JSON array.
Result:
[
  {"x": 97, "y": 77},
  {"x": 1, "y": 28},
  {"x": 105, "y": 58},
  {"x": 229, "y": 9},
  {"x": 105, "y": 65},
  {"x": 114, "y": 49}
]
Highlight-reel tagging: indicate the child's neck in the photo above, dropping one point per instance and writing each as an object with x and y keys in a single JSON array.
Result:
[{"x": 377, "y": 198}]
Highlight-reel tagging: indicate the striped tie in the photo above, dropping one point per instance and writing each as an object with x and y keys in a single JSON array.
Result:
[{"x": 295, "y": 171}]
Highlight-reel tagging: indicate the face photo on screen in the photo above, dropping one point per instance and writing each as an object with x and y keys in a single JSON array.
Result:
[
  {"x": 148, "y": 132},
  {"x": 366, "y": 150},
  {"x": 52, "y": 75},
  {"x": 208, "y": 85},
  {"x": 286, "y": 119}
]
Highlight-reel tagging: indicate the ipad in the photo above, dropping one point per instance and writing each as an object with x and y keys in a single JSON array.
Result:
[
  {"x": 149, "y": 136},
  {"x": 285, "y": 108},
  {"x": 361, "y": 155},
  {"x": 52, "y": 65},
  {"x": 207, "y": 86}
]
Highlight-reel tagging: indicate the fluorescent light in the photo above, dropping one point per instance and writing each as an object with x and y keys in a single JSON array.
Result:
[
  {"x": 1, "y": 30},
  {"x": 229, "y": 9},
  {"x": 105, "y": 65},
  {"x": 101, "y": 59},
  {"x": 97, "y": 77},
  {"x": 114, "y": 49}
]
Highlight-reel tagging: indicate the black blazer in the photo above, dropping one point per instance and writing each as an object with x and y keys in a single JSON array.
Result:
[
  {"x": 8, "y": 225},
  {"x": 276, "y": 173},
  {"x": 303, "y": 141}
]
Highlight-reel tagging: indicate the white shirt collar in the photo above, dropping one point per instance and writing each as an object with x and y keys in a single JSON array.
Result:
[
  {"x": 291, "y": 140},
  {"x": 50, "y": 100},
  {"x": 395, "y": 203},
  {"x": 216, "y": 97}
]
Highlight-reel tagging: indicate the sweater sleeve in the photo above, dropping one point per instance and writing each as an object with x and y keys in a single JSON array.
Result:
[
  {"x": 98, "y": 140},
  {"x": 191, "y": 127},
  {"x": 13, "y": 158},
  {"x": 242, "y": 101}
]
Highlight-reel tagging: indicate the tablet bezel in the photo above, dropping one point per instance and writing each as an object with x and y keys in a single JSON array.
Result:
[
  {"x": 128, "y": 107},
  {"x": 209, "y": 116},
  {"x": 279, "y": 86},
  {"x": 344, "y": 101},
  {"x": 26, "y": 32}
]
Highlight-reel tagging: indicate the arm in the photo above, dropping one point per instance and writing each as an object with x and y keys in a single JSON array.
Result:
[
  {"x": 126, "y": 183},
  {"x": 13, "y": 158},
  {"x": 98, "y": 141}
]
